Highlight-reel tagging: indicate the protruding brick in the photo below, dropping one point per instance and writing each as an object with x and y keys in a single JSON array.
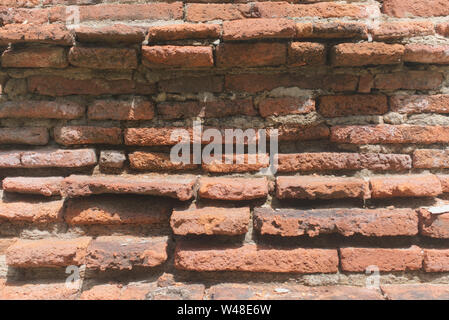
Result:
[
  {"x": 117, "y": 33},
  {"x": 31, "y": 211},
  {"x": 399, "y": 29},
  {"x": 233, "y": 188},
  {"x": 135, "y": 109},
  {"x": 113, "y": 210},
  {"x": 349, "y": 105},
  {"x": 424, "y": 53},
  {"x": 122, "y": 252},
  {"x": 368, "y": 53},
  {"x": 103, "y": 58},
  {"x": 434, "y": 226},
  {"x": 156, "y": 161},
  {"x": 306, "y": 53},
  {"x": 210, "y": 221},
  {"x": 177, "y": 56},
  {"x": 421, "y": 291},
  {"x": 25, "y": 135},
  {"x": 285, "y": 105},
  {"x": 411, "y": 80},
  {"x": 347, "y": 222},
  {"x": 180, "y": 187},
  {"x": 248, "y": 29},
  {"x": 254, "y": 258},
  {"x": 330, "y": 161},
  {"x": 42, "y": 109},
  {"x": 408, "y": 8},
  {"x": 310, "y": 187},
  {"x": 47, "y": 253},
  {"x": 39, "y": 57},
  {"x": 251, "y": 55},
  {"x": 59, "y": 158},
  {"x": 405, "y": 186},
  {"x": 184, "y": 31},
  {"x": 358, "y": 259},
  {"x": 33, "y": 33},
  {"x": 87, "y": 135},
  {"x": 430, "y": 158},
  {"x": 47, "y": 186}
]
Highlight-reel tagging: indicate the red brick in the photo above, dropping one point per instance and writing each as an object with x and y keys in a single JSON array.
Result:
[
  {"x": 251, "y": 55},
  {"x": 24, "y": 135},
  {"x": 366, "y": 83},
  {"x": 321, "y": 10},
  {"x": 37, "y": 291},
  {"x": 135, "y": 291},
  {"x": 113, "y": 210},
  {"x": 330, "y": 161},
  {"x": 177, "y": 56},
  {"x": 358, "y": 259},
  {"x": 423, "y": 53},
  {"x": 223, "y": 11},
  {"x": 368, "y": 53},
  {"x": 10, "y": 159},
  {"x": 434, "y": 226},
  {"x": 117, "y": 33},
  {"x": 152, "y": 136},
  {"x": 178, "y": 291},
  {"x": 412, "y": 80},
  {"x": 156, "y": 161},
  {"x": 103, "y": 58},
  {"x": 421, "y": 291},
  {"x": 389, "y": 134},
  {"x": 436, "y": 260},
  {"x": 184, "y": 31},
  {"x": 60, "y": 86},
  {"x": 39, "y": 57},
  {"x": 237, "y": 163},
  {"x": 31, "y": 212},
  {"x": 347, "y": 222},
  {"x": 285, "y": 105},
  {"x": 87, "y": 135},
  {"x": 294, "y": 133},
  {"x": 430, "y": 158},
  {"x": 59, "y": 158},
  {"x": 349, "y": 105},
  {"x": 306, "y": 53},
  {"x": 173, "y": 187},
  {"x": 192, "y": 84},
  {"x": 442, "y": 29},
  {"x": 125, "y": 252},
  {"x": 42, "y": 109},
  {"x": 47, "y": 186},
  {"x": 210, "y": 221},
  {"x": 34, "y": 16},
  {"x": 5, "y": 244},
  {"x": 33, "y": 33},
  {"x": 330, "y": 30},
  {"x": 254, "y": 258},
  {"x": 135, "y": 109},
  {"x": 398, "y": 29},
  {"x": 247, "y": 29},
  {"x": 408, "y": 8},
  {"x": 420, "y": 103},
  {"x": 311, "y": 187},
  {"x": 233, "y": 188},
  {"x": 47, "y": 253},
  {"x": 426, "y": 185}
]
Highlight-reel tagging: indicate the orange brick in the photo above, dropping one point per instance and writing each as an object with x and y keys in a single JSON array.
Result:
[
  {"x": 177, "y": 56},
  {"x": 405, "y": 186},
  {"x": 423, "y": 53},
  {"x": 75, "y": 135},
  {"x": 39, "y": 57},
  {"x": 117, "y": 33},
  {"x": 430, "y": 158},
  {"x": 34, "y": 33},
  {"x": 420, "y": 103},
  {"x": 247, "y": 29},
  {"x": 398, "y": 30},
  {"x": 368, "y": 53},
  {"x": 42, "y": 109},
  {"x": 412, "y": 80},
  {"x": 47, "y": 186},
  {"x": 233, "y": 188},
  {"x": 103, "y": 58},
  {"x": 306, "y": 53},
  {"x": 135, "y": 109},
  {"x": 156, "y": 161},
  {"x": 48, "y": 158},
  {"x": 199, "y": 12},
  {"x": 31, "y": 212},
  {"x": 406, "y": 8},
  {"x": 436, "y": 260},
  {"x": 184, "y": 31},
  {"x": 348, "y": 105},
  {"x": 251, "y": 55},
  {"x": 285, "y": 105}
]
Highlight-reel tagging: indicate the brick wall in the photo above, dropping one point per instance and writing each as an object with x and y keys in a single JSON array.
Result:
[{"x": 358, "y": 91}]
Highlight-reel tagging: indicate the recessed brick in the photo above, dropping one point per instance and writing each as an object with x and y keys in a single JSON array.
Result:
[
  {"x": 285, "y": 105},
  {"x": 177, "y": 56},
  {"x": 233, "y": 188},
  {"x": 103, "y": 58},
  {"x": 25, "y": 135},
  {"x": 184, "y": 31},
  {"x": 349, "y": 105},
  {"x": 251, "y": 55},
  {"x": 295, "y": 133},
  {"x": 59, "y": 158},
  {"x": 411, "y": 80},
  {"x": 434, "y": 226},
  {"x": 39, "y": 57},
  {"x": 42, "y": 109},
  {"x": 135, "y": 109},
  {"x": 76, "y": 135},
  {"x": 192, "y": 84},
  {"x": 398, "y": 29}
]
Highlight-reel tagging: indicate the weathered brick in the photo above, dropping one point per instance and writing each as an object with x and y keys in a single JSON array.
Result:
[
  {"x": 112, "y": 159},
  {"x": 306, "y": 53},
  {"x": 47, "y": 186},
  {"x": 330, "y": 30},
  {"x": 39, "y": 57},
  {"x": 251, "y": 55},
  {"x": 310, "y": 187},
  {"x": 37, "y": 291},
  {"x": 59, "y": 158},
  {"x": 424, "y": 53},
  {"x": 421, "y": 291},
  {"x": 347, "y": 222},
  {"x": 420, "y": 103},
  {"x": 135, "y": 291},
  {"x": 436, "y": 260},
  {"x": 75, "y": 135},
  {"x": 184, "y": 31},
  {"x": 412, "y": 80},
  {"x": 248, "y": 29},
  {"x": 153, "y": 136},
  {"x": 368, "y": 53},
  {"x": 123, "y": 252},
  {"x": 25, "y": 135},
  {"x": 389, "y": 134},
  {"x": 233, "y": 188},
  {"x": 6, "y": 243},
  {"x": 295, "y": 133},
  {"x": 103, "y": 58},
  {"x": 408, "y": 8},
  {"x": 42, "y": 109},
  {"x": 430, "y": 158},
  {"x": 285, "y": 105},
  {"x": 426, "y": 185},
  {"x": 10, "y": 159},
  {"x": 177, "y": 56},
  {"x": 117, "y": 33},
  {"x": 36, "y": 33},
  {"x": 192, "y": 84},
  {"x": 358, "y": 259},
  {"x": 178, "y": 291},
  {"x": 210, "y": 221},
  {"x": 434, "y": 226},
  {"x": 136, "y": 109},
  {"x": 224, "y": 11},
  {"x": 366, "y": 83},
  {"x": 237, "y": 163},
  {"x": 349, "y": 105},
  {"x": 254, "y": 258},
  {"x": 399, "y": 29},
  {"x": 113, "y": 210},
  {"x": 330, "y": 161},
  {"x": 156, "y": 161},
  {"x": 52, "y": 252},
  {"x": 174, "y": 187},
  {"x": 31, "y": 211},
  {"x": 442, "y": 29}
]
